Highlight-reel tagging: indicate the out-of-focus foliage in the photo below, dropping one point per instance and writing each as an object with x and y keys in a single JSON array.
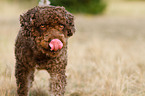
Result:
[
  {"x": 81, "y": 6},
  {"x": 75, "y": 6},
  {"x": 135, "y": 0}
]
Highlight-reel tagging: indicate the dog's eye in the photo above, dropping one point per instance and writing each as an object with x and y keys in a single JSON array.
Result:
[
  {"x": 42, "y": 27},
  {"x": 61, "y": 26}
]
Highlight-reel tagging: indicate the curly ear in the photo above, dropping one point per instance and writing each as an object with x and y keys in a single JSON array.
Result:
[
  {"x": 22, "y": 21},
  {"x": 71, "y": 27},
  {"x": 24, "y": 25}
]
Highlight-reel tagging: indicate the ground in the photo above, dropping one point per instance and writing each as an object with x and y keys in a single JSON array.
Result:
[{"x": 106, "y": 55}]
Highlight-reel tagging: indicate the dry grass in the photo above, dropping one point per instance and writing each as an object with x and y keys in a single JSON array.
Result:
[{"x": 106, "y": 56}]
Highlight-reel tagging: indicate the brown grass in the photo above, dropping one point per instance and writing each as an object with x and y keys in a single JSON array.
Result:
[{"x": 106, "y": 56}]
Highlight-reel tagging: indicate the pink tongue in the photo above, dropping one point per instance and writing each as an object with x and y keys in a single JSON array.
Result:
[{"x": 55, "y": 44}]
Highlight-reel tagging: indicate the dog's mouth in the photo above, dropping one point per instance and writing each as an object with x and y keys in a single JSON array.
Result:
[{"x": 55, "y": 45}]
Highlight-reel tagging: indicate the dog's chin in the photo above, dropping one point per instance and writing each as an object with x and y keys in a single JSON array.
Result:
[{"x": 50, "y": 53}]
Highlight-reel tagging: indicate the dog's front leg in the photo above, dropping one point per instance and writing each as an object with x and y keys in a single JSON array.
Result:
[
  {"x": 57, "y": 84},
  {"x": 24, "y": 78}
]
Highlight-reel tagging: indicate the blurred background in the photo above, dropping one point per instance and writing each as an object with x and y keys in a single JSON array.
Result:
[{"x": 106, "y": 54}]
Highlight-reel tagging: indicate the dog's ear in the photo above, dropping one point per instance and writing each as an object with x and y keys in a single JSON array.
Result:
[
  {"x": 23, "y": 20},
  {"x": 27, "y": 21},
  {"x": 25, "y": 24},
  {"x": 71, "y": 27}
]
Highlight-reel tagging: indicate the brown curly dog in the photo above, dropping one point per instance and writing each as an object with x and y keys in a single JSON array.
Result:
[{"x": 42, "y": 44}]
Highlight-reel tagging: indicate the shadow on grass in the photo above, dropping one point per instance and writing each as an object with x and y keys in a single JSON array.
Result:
[
  {"x": 75, "y": 94},
  {"x": 41, "y": 92},
  {"x": 38, "y": 92}
]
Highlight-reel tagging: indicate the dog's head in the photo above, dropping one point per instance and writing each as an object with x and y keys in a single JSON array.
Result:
[{"x": 50, "y": 27}]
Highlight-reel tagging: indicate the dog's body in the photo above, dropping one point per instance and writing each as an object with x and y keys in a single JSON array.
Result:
[{"x": 42, "y": 44}]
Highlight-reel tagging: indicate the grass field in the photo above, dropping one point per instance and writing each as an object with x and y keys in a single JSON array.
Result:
[{"x": 106, "y": 55}]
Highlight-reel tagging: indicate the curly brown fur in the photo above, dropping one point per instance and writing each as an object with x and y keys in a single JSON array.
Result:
[{"x": 39, "y": 26}]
